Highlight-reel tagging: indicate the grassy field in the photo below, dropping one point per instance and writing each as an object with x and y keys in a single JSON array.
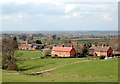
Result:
[
  {"x": 88, "y": 40},
  {"x": 89, "y": 71},
  {"x": 28, "y": 54}
]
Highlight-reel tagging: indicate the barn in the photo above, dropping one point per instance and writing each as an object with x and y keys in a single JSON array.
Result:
[{"x": 63, "y": 51}]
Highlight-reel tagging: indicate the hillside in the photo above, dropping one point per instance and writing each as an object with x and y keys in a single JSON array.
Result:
[{"x": 74, "y": 70}]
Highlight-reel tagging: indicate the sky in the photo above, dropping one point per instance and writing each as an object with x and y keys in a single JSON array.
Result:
[{"x": 56, "y": 15}]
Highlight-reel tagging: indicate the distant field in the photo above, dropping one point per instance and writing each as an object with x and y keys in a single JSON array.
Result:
[
  {"x": 89, "y": 40},
  {"x": 85, "y": 40},
  {"x": 89, "y": 71}
]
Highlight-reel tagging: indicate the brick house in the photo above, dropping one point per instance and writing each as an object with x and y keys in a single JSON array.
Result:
[
  {"x": 26, "y": 47},
  {"x": 63, "y": 51},
  {"x": 91, "y": 50},
  {"x": 103, "y": 51}
]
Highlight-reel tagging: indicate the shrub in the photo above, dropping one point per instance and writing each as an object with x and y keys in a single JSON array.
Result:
[
  {"x": 46, "y": 51},
  {"x": 101, "y": 57}
]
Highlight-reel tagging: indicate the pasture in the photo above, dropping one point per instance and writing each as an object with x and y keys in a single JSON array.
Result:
[
  {"x": 89, "y": 40},
  {"x": 71, "y": 70}
]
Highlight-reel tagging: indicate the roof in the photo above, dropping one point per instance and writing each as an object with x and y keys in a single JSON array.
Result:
[
  {"x": 61, "y": 48},
  {"x": 22, "y": 42},
  {"x": 74, "y": 42},
  {"x": 92, "y": 48},
  {"x": 24, "y": 45},
  {"x": 100, "y": 48},
  {"x": 40, "y": 44},
  {"x": 117, "y": 52}
]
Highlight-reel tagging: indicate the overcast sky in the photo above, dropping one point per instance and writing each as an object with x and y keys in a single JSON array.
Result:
[{"x": 45, "y": 15}]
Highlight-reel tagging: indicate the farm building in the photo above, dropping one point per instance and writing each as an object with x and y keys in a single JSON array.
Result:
[
  {"x": 25, "y": 47},
  {"x": 103, "y": 51},
  {"x": 63, "y": 51},
  {"x": 91, "y": 50}
]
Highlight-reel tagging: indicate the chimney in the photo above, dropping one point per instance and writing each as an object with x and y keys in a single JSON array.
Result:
[
  {"x": 72, "y": 46},
  {"x": 27, "y": 40},
  {"x": 103, "y": 45},
  {"x": 62, "y": 45},
  {"x": 98, "y": 44},
  {"x": 54, "y": 45}
]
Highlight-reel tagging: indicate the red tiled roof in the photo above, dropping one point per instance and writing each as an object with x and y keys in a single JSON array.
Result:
[
  {"x": 23, "y": 45},
  {"x": 75, "y": 42},
  {"x": 100, "y": 48},
  {"x": 61, "y": 48}
]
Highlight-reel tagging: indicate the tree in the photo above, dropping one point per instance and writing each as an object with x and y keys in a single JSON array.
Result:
[
  {"x": 49, "y": 41},
  {"x": 85, "y": 49},
  {"x": 38, "y": 42},
  {"x": 114, "y": 43},
  {"x": 58, "y": 38},
  {"x": 95, "y": 43},
  {"x": 15, "y": 42},
  {"x": 46, "y": 51},
  {"x": 8, "y": 58},
  {"x": 76, "y": 48},
  {"x": 54, "y": 37},
  {"x": 23, "y": 37}
]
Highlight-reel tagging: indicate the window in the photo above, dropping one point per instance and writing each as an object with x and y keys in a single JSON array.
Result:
[{"x": 66, "y": 52}]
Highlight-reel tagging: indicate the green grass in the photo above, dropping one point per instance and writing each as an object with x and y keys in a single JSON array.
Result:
[
  {"x": 28, "y": 54},
  {"x": 92, "y": 71},
  {"x": 104, "y": 70},
  {"x": 43, "y": 64}
]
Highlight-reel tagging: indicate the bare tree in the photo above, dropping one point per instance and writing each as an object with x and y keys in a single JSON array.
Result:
[{"x": 8, "y": 58}]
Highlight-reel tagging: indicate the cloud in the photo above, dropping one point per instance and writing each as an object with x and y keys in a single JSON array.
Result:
[
  {"x": 91, "y": 0},
  {"x": 70, "y": 16},
  {"x": 52, "y": 14},
  {"x": 20, "y": 16},
  {"x": 70, "y": 7},
  {"x": 107, "y": 17},
  {"x": 53, "y": 1},
  {"x": 31, "y": 1},
  {"x": 15, "y": 17},
  {"x": 76, "y": 14},
  {"x": 32, "y": 9}
]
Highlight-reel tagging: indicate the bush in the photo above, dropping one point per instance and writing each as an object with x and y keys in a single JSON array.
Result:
[
  {"x": 101, "y": 57},
  {"x": 46, "y": 51}
]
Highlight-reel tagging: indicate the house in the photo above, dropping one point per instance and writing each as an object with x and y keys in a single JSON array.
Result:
[
  {"x": 91, "y": 50},
  {"x": 74, "y": 43},
  {"x": 116, "y": 53},
  {"x": 103, "y": 51},
  {"x": 26, "y": 47},
  {"x": 63, "y": 51}
]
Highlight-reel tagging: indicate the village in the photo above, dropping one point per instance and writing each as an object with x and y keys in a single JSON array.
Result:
[
  {"x": 52, "y": 57},
  {"x": 65, "y": 51}
]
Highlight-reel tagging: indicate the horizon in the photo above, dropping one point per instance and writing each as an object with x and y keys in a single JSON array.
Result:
[{"x": 95, "y": 32}]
